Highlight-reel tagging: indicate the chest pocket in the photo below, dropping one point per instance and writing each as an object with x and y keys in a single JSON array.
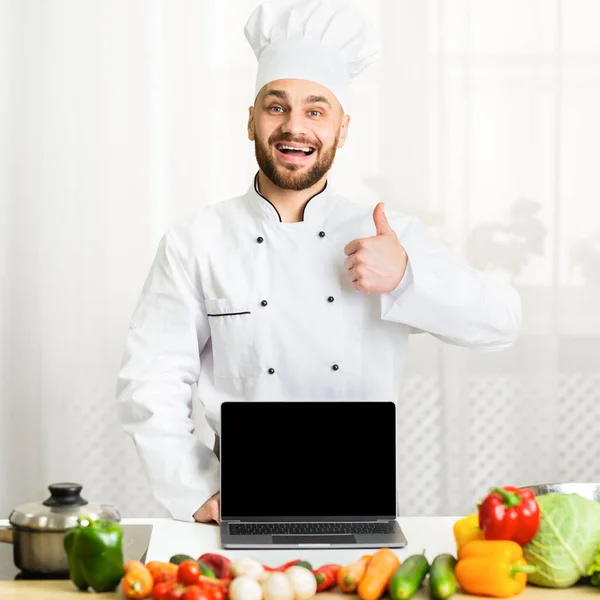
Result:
[{"x": 233, "y": 334}]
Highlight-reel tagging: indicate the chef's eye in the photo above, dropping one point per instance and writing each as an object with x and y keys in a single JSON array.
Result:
[
  {"x": 315, "y": 113},
  {"x": 275, "y": 108}
]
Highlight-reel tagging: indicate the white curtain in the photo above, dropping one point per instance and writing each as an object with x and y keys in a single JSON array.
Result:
[{"x": 118, "y": 118}]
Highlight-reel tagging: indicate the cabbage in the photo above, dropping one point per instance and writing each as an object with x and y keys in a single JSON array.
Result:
[{"x": 566, "y": 542}]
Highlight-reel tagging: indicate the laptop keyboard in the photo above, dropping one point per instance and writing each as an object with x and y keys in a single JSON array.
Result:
[{"x": 308, "y": 528}]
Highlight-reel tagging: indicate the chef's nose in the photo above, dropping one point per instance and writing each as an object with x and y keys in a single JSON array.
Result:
[{"x": 294, "y": 122}]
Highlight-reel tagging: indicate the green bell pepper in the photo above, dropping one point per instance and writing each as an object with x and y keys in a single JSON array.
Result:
[{"x": 95, "y": 553}]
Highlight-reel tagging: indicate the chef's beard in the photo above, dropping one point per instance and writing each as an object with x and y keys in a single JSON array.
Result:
[{"x": 286, "y": 177}]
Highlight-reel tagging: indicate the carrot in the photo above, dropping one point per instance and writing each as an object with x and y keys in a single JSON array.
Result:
[
  {"x": 349, "y": 575},
  {"x": 380, "y": 569}
]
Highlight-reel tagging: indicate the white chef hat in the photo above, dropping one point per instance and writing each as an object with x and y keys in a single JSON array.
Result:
[{"x": 325, "y": 41}]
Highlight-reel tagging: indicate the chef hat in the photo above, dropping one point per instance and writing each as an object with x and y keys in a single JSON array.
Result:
[{"x": 325, "y": 41}]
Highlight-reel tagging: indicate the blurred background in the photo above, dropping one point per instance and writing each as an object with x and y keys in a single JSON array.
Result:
[{"x": 117, "y": 118}]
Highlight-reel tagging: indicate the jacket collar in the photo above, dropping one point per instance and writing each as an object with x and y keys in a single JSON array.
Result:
[{"x": 314, "y": 211}]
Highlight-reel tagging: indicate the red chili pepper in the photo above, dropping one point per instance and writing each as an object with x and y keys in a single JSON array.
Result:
[
  {"x": 326, "y": 576},
  {"x": 509, "y": 513},
  {"x": 221, "y": 565},
  {"x": 284, "y": 566}
]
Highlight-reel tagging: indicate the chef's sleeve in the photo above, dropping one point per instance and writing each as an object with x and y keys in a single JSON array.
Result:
[
  {"x": 447, "y": 298},
  {"x": 161, "y": 361}
]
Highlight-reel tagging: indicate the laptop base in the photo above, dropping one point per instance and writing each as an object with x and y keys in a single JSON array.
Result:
[{"x": 396, "y": 539}]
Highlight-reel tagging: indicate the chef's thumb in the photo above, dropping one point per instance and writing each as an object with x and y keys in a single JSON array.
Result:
[{"x": 381, "y": 223}]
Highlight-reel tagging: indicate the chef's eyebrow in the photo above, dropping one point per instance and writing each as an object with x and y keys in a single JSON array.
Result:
[
  {"x": 277, "y": 93},
  {"x": 315, "y": 99},
  {"x": 282, "y": 95}
]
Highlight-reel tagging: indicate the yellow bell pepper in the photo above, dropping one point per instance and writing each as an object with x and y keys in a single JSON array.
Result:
[
  {"x": 492, "y": 568},
  {"x": 467, "y": 529}
]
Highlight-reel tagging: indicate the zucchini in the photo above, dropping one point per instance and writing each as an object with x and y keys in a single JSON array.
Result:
[
  {"x": 206, "y": 570},
  {"x": 442, "y": 581},
  {"x": 177, "y": 559},
  {"x": 408, "y": 577}
]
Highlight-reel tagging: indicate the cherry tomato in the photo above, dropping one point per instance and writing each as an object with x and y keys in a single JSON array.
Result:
[
  {"x": 218, "y": 593},
  {"x": 176, "y": 592},
  {"x": 195, "y": 592},
  {"x": 159, "y": 592},
  {"x": 188, "y": 572}
]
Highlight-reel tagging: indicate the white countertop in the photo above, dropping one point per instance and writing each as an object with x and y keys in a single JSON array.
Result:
[
  {"x": 169, "y": 537},
  {"x": 432, "y": 534}
]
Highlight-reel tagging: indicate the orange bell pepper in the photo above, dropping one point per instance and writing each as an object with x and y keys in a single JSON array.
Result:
[{"x": 492, "y": 568}]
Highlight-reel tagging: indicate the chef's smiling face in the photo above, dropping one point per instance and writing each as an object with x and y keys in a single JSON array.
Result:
[{"x": 296, "y": 126}]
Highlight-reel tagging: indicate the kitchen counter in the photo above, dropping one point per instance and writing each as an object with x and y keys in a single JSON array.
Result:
[{"x": 169, "y": 537}]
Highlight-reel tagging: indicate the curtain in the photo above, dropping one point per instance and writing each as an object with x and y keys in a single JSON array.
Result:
[{"x": 119, "y": 118}]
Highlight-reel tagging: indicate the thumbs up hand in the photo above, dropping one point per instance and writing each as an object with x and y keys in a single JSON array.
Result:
[{"x": 376, "y": 265}]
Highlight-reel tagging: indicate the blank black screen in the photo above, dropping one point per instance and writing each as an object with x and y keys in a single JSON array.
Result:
[{"x": 308, "y": 459}]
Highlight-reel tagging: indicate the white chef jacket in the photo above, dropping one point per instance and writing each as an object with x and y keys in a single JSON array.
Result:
[{"x": 252, "y": 308}]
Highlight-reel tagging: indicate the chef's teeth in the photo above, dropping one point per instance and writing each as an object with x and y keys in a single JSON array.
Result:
[{"x": 283, "y": 147}]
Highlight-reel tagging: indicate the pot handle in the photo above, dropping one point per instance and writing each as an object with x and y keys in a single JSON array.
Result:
[{"x": 6, "y": 534}]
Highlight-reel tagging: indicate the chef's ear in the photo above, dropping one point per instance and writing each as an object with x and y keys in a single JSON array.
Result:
[
  {"x": 251, "y": 132},
  {"x": 343, "y": 130}
]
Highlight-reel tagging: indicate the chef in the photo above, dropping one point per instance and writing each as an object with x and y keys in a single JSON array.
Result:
[{"x": 290, "y": 291}]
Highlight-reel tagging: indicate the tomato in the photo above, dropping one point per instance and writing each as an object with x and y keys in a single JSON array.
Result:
[
  {"x": 196, "y": 592},
  {"x": 218, "y": 593},
  {"x": 176, "y": 592},
  {"x": 159, "y": 592},
  {"x": 212, "y": 592},
  {"x": 188, "y": 572}
]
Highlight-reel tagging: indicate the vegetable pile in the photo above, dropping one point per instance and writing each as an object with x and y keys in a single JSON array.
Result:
[{"x": 512, "y": 540}]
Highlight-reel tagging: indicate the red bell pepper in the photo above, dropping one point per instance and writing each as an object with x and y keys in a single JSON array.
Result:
[
  {"x": 220, "y": 564},
  {"x": 326, "y": 576},
  {"x": 509, "y": 513}
]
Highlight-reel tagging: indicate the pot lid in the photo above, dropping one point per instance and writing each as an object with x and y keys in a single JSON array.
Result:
[{"x": 61, "y": 510}]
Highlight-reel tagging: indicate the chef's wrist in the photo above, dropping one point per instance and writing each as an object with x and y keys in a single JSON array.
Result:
[{"x": 405, "y": 282}]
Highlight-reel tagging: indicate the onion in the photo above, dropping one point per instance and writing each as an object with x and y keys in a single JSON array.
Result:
[
  {"x": 245, "y": 587},
  {"x": 248, "y": 566},
  {"x": 277, "y": 586},
  {"x": 303, "y": 581}
]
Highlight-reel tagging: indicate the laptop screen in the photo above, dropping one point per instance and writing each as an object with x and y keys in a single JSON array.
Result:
[{"x": 308, "y": 459}]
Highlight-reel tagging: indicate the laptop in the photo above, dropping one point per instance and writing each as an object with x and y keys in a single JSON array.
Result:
[{"x": 309, "y": 475}]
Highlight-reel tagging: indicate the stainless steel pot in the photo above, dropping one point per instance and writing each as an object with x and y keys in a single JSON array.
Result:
[
  {"x": 587, "y": 490},
  {"x": 37, "y": 529}
]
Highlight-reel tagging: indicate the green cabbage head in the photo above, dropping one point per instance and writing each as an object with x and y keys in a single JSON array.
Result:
[{"x": 566, "y": 542}]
